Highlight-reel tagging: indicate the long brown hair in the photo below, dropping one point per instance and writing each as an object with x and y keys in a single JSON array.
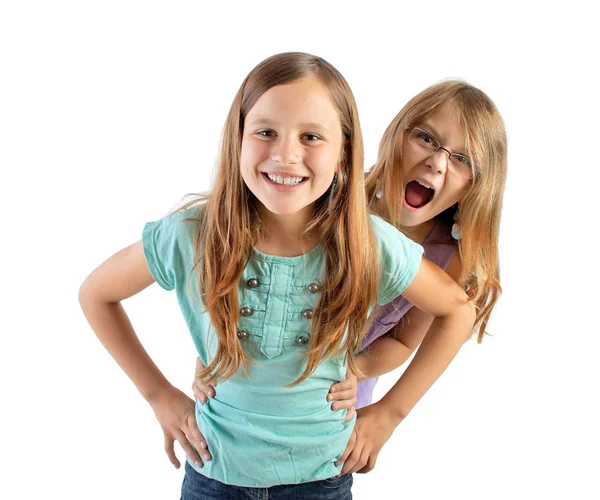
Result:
[
  {"x": 480, "y": 207},
  {"x": 230, "y": 227}
]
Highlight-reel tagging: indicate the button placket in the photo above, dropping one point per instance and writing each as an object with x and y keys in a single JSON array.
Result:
[{"x": 276, "y": 310}]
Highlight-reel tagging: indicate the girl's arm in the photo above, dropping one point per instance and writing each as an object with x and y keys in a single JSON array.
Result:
[
  {"x": 382, "y": 356},
  {"x": 392, "y": 350},
  {"x": 436, "y": 293},
  {"x": 120, "y": 277}
]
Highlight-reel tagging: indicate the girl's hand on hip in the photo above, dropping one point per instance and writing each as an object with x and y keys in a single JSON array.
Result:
[
  {"x": 176, "y": 414},
  {"x": 344, "y": 395},
  {"x": 373, "y": 428},
  {"x": 201, "y": 390}
]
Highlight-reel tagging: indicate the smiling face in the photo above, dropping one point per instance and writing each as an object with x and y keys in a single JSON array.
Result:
[
  {"x": 431, "y": 187},
  {"x": 291, "y": 148}
]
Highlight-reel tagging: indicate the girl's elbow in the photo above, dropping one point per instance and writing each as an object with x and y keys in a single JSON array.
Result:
[
  {"x": 89, "y": 293},
  {"x": 86, "y": 293},
  {"x": 468, "y": 314}
]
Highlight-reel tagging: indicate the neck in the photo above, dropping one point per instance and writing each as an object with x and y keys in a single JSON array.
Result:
[
  {"x": 420, "y": 232},
  {"x": 285, "y": 235}
]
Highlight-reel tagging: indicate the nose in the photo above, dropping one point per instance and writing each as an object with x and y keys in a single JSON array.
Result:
[
  {"x": 438, "y": 161},
  {"x": 287, "y": 150}
]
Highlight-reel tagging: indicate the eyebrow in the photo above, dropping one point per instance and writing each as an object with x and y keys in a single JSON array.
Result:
[
  {"x": 307, "y": 126},
  {"x": 431, "y": 128},
  {"x": 428, "y": 125}
]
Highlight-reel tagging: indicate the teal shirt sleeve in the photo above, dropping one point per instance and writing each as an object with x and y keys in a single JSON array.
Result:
[
  {"x": 400, "y": 259},
  {"x": 166, "y": 243}
]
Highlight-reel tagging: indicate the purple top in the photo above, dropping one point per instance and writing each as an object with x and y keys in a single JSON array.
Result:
[{"x": 439, "y": 247}]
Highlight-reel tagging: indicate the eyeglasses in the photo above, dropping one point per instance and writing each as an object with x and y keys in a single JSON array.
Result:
[{"x": 423, "y": 141}]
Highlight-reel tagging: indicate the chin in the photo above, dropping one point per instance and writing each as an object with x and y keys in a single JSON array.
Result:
[
  {"x": 283, "y": 209},
  {"x": 412, "y": 219}
]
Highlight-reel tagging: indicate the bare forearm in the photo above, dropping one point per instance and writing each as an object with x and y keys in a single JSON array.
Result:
[
  {"x": 438, "y": 349},
  {"x": 113, "y": 328},
  {"x": 382, "y": 356}
]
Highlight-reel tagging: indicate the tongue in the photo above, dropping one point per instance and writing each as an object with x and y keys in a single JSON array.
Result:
[{"x": 416, "y": 195}]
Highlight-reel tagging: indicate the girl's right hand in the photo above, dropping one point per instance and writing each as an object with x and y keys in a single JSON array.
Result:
[
  {"x": 201, "y": 390},
  {"x": 176, "y": 414},
  {"x": 344, "y": 395}
]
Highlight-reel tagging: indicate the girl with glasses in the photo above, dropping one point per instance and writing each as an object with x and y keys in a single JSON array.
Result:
[{"x": 439, "y": 178}]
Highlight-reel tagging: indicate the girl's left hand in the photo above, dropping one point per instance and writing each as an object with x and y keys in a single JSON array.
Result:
[
  {"x": 374, "y": 426},
  {"x": 201, "y": 390},
  {"x": 344, "y": 395}
]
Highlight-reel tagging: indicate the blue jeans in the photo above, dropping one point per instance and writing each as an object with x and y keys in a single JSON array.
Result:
[{"x": 198, "y": 487}]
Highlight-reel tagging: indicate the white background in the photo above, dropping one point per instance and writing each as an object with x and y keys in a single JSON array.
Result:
[{"x": 110, "y": 111}]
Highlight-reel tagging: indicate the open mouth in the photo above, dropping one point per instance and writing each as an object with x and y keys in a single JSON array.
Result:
[
  {"x": 417, "y": 195},
  {"x": 286, "y": 180}
]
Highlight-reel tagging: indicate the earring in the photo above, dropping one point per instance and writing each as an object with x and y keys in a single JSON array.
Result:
[
  {"x": 332, "y": 189},
  {"x": 456, "y": 230}
]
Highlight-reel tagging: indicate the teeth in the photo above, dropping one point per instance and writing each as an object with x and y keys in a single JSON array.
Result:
[
  {"x": 288, "y": 181},
  {"x": 424, "y": 185}
]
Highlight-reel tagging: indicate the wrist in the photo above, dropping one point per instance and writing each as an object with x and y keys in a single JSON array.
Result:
[
  {"x": 158, "y": 393},
  {"x": 392, "y": 412}
]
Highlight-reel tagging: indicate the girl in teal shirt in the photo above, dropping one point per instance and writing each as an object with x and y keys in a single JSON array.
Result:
[{"x": 276, "y": 272}]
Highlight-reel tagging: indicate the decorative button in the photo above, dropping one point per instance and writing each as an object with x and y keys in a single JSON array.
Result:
[
  {"x": 307, "y": 313},
  {"x": 313, "y": 288},
  {"x": 252, "y": 283},
  {"x": 303, "y": 339},
  {"x": 241, "y": 334},
  {"x": 246, "y": 311}
]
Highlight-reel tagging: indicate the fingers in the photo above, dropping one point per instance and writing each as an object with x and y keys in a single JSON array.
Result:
[
  {"x": 348, "y": 450},
  {"x": 360, "y": 463},
  {"x": 344, "y": 385},
  {"x": 357, "y": 458},
  {"x": 197, "y": 439},
  {"x": 341, "y": 394},
  {"x": 344, "y": 403},
  {"x": 349, "y": 414},
  {"x": 352, "y": 460},
  {"x": 169, "y": 441},
  {"x": 202, "y": 391},
  {"x": 209, "y": 390},
  {"x": 369, "y": 467},
  {"x": 198, "y": 394},
  {"x": 188, "y": 449}
]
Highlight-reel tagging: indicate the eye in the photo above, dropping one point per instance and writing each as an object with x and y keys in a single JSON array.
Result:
[
  {"x": 425, "y": 138},
  {"x": 265, "y": 133},
  {"x": 312, "y": 137},
  {"x": 462, "y": 159}
]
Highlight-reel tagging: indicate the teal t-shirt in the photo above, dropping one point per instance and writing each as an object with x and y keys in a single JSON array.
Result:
[{"x": 260, "y": 432}]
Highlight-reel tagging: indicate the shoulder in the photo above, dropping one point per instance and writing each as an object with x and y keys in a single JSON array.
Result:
[
  {"x": 400, "y": 259},
  {"x": 392, "y": 241},
  {"x": 168, "y": 245},
  {"x": 179, "y": 223},
  {"x": 173, "y": 232}
]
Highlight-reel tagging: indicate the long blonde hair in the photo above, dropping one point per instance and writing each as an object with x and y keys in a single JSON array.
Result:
[
  {"x": 480, "y": 207},
  {"x": 230, "y": 227}
]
